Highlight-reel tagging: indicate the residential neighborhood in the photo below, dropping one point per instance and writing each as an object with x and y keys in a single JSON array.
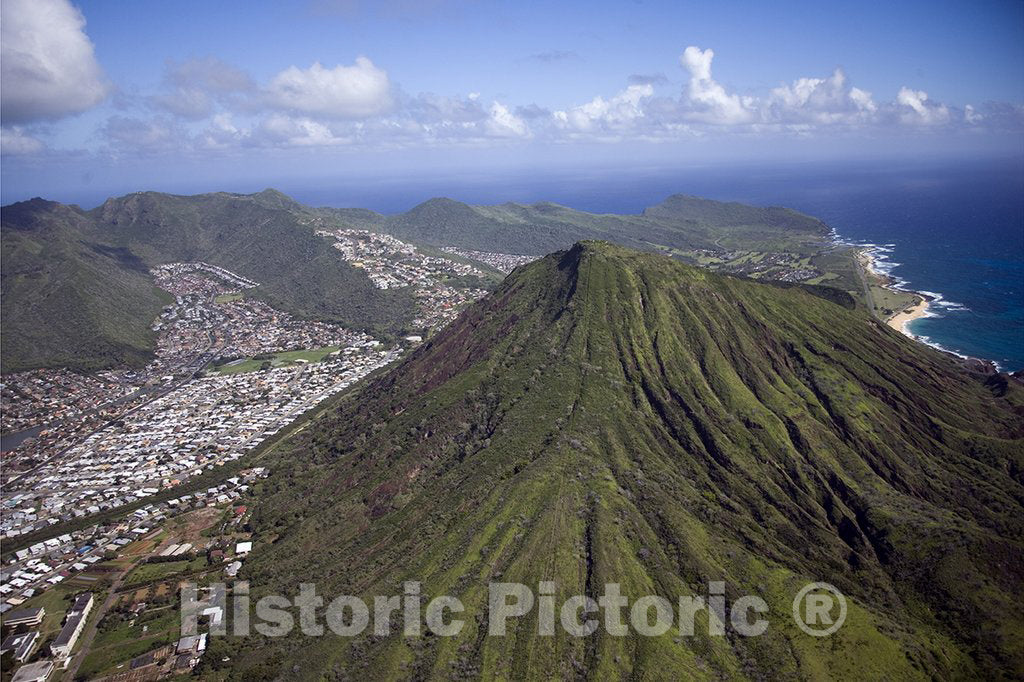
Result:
[
  {"x": 126, "y": 564},
  {"x": 196, "y": 405},
  {"x": 391, "y": 263},
  {"x": 229, "y": 372},
  {"x": 502, "y": 262}
]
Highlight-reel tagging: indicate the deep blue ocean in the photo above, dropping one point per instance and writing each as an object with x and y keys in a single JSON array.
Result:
[
  {"x": 955, "y": 233},
  {"x": 955, "y": 230}
]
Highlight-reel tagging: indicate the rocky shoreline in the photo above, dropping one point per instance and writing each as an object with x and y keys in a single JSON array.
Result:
[{"x": 900, "y": 321}]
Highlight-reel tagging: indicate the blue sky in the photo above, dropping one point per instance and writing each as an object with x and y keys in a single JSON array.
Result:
[{"x": 104, "y": 97}]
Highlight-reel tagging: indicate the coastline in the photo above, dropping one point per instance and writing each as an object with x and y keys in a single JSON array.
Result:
[{"x": 901, "y": 320}]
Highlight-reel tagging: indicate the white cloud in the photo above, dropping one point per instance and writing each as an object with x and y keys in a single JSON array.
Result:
[
  {"x": 916, "y": 108},
  {"x": 617, "y": 113},
  {"x": 208, "y": 105},
  {"x": 287, "y": 131},
  {"x": 996, "y": 116},
  {"x": 15, "y": 141},
  {"x": 434, "y": 118},
  {"x": 358, "y": 91},
  {"x": 221, "y": 133},
  {"x": 710, "y": 102},
  {"x": 192, "y": 103},
  {"x": 862, "y": 98},
  {"x": 503, "y": 123},
  {"x": 47, "y": 66},
  {"x": 194, "y": 87},
  {"x": 821, "y": 100},
  {"x": 429, "y": 108},
  {"x": 697, "y": 62}
]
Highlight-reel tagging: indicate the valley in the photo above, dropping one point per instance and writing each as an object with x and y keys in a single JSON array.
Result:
[
  {"x": 348, "y": 341},
  {"x": 590, "y": 384}
]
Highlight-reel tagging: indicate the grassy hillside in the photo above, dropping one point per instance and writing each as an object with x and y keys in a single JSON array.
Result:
[
  {"x": 77, "y": 292},
  {"x": 730, "y": 237},
  {"x": 731, "y": 225},
  {"x": 680, "y": 222},
  {"x": 98, "y": 259},
  {"x": 611, "y": 416},
  {"x": 261, "y": 237},
  {"x": 70, "y": 301}
]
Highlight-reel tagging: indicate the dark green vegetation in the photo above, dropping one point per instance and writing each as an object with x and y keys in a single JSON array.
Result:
[
  {"x": 679, "y": 223},
  {"x": 69, "y": 300},
  {"x": 76, "y": 289},
  {"x": 259, "y": 236},
  {"x": 611, "y": 416}
]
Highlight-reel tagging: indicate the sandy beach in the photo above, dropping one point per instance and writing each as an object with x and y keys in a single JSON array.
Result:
[{"x": 900, "y": 320}]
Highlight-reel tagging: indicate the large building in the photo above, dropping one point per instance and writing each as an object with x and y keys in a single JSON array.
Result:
[
  {"x": 29, "y": 617},
  {"x": 33, "y": 672},
  {"x": 73, "y": 626},
  {"x": 21, "y": 645}
]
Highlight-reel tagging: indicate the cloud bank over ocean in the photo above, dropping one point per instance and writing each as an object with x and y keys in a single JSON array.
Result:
[{"x": 204, "y": 104}]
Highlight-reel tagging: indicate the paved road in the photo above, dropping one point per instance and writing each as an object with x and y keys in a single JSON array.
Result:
[
  {"x": 862, "y": 276},
  {"x": 90, "y": 630}
]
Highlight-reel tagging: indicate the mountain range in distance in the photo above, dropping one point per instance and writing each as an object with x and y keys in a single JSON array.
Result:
[{"x": 77, "y": 291}]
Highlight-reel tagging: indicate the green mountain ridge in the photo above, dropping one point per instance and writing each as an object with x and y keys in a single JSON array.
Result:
[
  {"x": 298, "y": 271},
  {"x": 102, "y": 313},
  {"x": 270, "y": 238},
  {"x": 680, "y": 221},
  {"x": 68, "y": 300},
  {"x": 613, "y": 416}
]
